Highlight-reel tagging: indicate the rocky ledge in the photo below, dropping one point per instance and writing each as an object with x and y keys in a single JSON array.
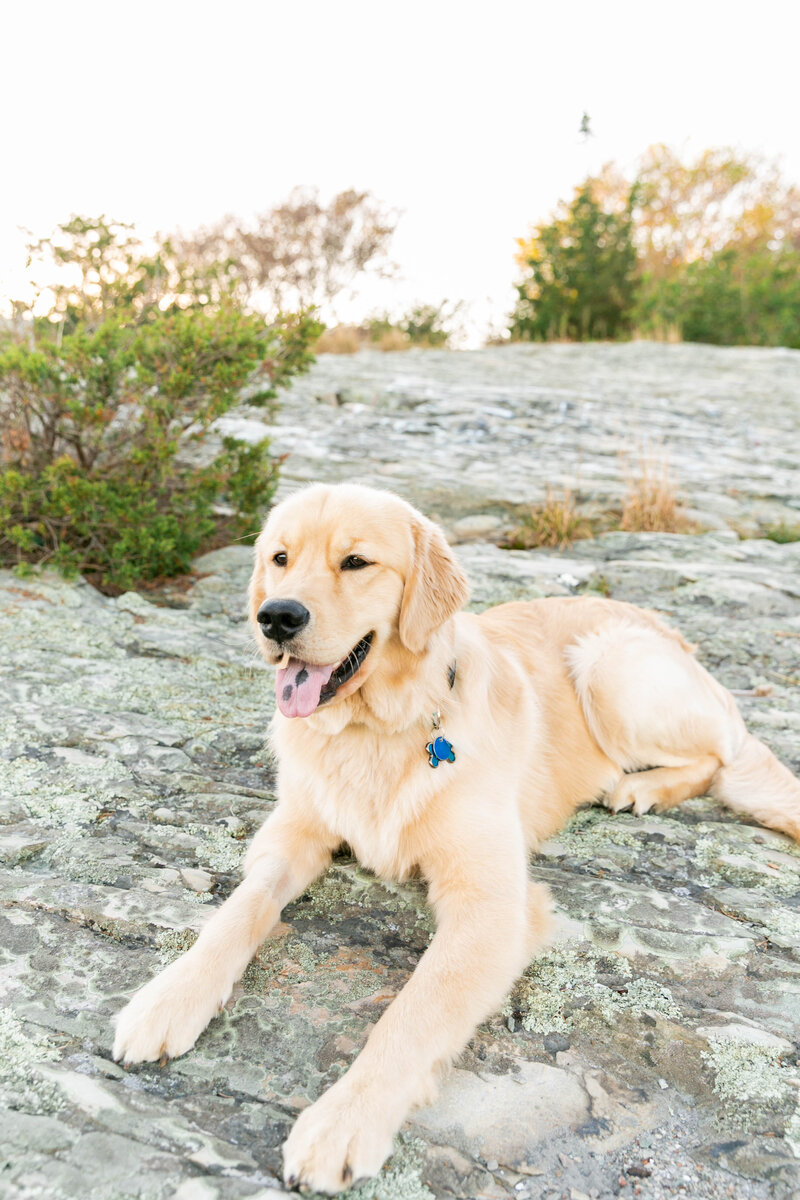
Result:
[{"x": 651, "y": 1052}]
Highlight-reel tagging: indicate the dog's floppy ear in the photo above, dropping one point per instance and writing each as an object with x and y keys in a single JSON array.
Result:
[{"x": 436, "y": 587}]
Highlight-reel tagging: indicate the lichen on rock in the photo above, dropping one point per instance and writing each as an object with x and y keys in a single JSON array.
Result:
[{"x": 133, "y": 770}]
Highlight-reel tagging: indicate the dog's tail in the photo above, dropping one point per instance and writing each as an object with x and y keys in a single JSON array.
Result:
[{"x": 756, "y": 783}]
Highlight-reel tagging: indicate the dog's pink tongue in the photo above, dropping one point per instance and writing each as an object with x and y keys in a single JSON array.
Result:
[{"x": 298, "y": 687}]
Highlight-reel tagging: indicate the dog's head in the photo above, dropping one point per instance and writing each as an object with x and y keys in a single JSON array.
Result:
[{"x": 344, "y": 577}]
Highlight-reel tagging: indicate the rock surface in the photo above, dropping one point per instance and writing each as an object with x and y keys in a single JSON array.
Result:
[
  {"x": 652, "y": 1051},
  {"x": 473, "y": 435}
]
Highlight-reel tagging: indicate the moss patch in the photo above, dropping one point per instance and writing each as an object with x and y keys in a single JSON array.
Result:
[
  {"x": 753, "y": 1083},
  {"x": 592, "y": 828},
  {"x": 172, "y": 943},
  {"x": 400, "y": 1179},
  {"x": 723, "y": 856},
  {"x": 21, "y": 1054},
  {"x": 571, "y": 986}
]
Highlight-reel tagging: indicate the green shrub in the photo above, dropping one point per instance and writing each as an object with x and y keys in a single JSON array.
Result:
[
  {"x": 427, "y": 325},
  {"x": 97, "y": 470},
  {"x": 743, "y": 296},
  {"x": 783, "y": 533}
]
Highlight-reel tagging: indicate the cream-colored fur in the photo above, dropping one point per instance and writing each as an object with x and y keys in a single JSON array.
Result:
[{"x": 556, "y": 703}]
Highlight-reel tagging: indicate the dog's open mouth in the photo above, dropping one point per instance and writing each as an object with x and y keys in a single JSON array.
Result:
[{"x": 301, "y": 687}]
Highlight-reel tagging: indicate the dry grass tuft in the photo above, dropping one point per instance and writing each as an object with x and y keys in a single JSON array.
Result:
[
  {"x": 651, "y": 505},
  {"x": 393, "y": 339},
  {"x": 555, "y": 524},
  {"x": 349, "y": 339},
  {"x": 341, "y": 339}
]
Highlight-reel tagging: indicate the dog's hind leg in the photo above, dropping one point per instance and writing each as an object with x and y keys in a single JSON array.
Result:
[
  {"x": 663, "y": 787},
  {"x": 649, "y": 704}
]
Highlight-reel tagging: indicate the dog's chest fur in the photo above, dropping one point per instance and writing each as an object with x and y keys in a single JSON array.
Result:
[{"x": 370, "y": 790}]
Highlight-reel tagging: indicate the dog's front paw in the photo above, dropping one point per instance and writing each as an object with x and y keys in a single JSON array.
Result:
[
  {"x": 167, "y": 1016},
  {"x": 345, "y": 1136}
]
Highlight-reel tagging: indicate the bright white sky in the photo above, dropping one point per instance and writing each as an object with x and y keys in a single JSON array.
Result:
[{"x": 464, "y": 115}]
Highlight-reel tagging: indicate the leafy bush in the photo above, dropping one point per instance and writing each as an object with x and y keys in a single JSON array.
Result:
[
  {"x": 96, "y": 470},
  {"x": 428, "y": 325},
  {"x": 742, "y": 298}
]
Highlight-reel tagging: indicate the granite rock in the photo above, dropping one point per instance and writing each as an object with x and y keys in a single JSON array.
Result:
[{"x": 655, "y": 1043}]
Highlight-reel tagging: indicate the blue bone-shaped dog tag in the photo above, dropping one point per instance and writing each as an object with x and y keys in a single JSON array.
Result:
[{"x": 440, "y": 750}]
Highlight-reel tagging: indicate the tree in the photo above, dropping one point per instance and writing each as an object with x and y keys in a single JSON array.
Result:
[
  {"x": 580, "y": 277},
  {"x": 93, "y": 267},
  {"x": 708, "y": 247},
  {"x": 695, "y": 225},
  {"x": 300, "y": 254}
]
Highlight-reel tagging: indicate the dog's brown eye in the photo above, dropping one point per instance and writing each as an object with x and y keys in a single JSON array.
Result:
[
  {"x": 354, "y": 562},
  {"x": 280, "y": 558}
]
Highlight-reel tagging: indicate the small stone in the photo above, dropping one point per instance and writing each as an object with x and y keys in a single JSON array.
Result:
[
  {"x": 197, "y": 879},
  {"x": 492, "y": 1164},
  {"x": 480, "y": 525},
  {"x": 554, "y": 1043},
  {"x": 167, "y": 816}
]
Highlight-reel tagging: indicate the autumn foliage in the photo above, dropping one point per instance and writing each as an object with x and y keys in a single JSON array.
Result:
[{"x": 715, "y": 245}]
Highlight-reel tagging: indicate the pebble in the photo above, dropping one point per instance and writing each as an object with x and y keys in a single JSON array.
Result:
[
  {"x": 197, "y": 879},
  {"x": 167, "y": 816}
]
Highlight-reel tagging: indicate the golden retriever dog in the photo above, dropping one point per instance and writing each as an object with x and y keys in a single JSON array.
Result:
[{"x": 448, "y": 744}]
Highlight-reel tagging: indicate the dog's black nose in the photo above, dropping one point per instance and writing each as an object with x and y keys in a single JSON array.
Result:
[{"x": 282, "y": 619}]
